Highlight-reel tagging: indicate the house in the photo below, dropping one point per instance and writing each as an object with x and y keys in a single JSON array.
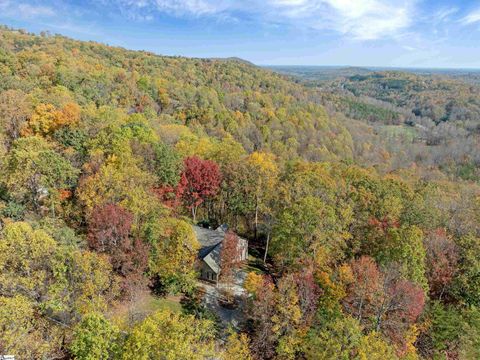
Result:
[{"x": 211, "y": 242}]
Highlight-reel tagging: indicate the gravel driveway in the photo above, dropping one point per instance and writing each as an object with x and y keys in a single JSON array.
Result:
[{"x": 228, "y": 317}]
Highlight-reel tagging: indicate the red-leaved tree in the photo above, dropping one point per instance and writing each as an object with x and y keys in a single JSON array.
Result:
[
  {"x": 308, "y": 293},
  {"x": 442, "y": 262},
  {"x": 199, "y": 181},
  {"x": 109, "y": 228},
  {"x": 230, "y": 255},
  {"x": 109, "y": 232},
  {"x": 383, "y": 300},
  {"x": 261, "y": 311}
]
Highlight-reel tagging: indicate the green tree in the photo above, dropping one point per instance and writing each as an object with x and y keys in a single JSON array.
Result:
[
  {"x": 467, "y": 281},
  {"x": 167, "y": 165},
  {"x": 95, "y": 338},
  {"x": 174, "y": 251},
  {"x": 308, "y": 229},
  {"x": 34, "y": 172},
  {"x": 23, "y": 333}
]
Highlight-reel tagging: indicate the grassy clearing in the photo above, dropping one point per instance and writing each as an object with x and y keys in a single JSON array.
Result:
[
  {"x": 397, "y": 131},
  {"x": 171, "y": 303},
  {"x": 128, "y": 313}
]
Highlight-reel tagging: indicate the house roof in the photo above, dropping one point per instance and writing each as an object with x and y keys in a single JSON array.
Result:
[{"x": 211, "y": 245}]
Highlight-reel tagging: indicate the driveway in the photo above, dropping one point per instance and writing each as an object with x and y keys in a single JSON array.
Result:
[{"x": 228, "y": 317}]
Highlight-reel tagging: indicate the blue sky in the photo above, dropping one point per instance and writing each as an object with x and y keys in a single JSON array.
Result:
[{"x": 408, "y": 33}]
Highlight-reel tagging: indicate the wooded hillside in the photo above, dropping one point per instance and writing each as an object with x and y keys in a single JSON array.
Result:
[{"x": 109, "y": 156}]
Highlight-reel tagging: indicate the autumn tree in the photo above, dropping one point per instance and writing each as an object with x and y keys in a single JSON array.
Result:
[
  {"x": 174, "y": 251},
  {"x": 46, "y": 119},
  {"x": 168, "y": 335},
  {"x": 52, "y": 285},
  {"x": 95, "y": 338},
  {"x": 117, "y": 181},
  {"x": 34, "y": 172},
  {"x": 109, "y": 231},
  {"x": 383, "y": 300},
  {"x": 230, "y": 255},
  {"x": 264, "y": 172},
  {"x": 308, "y": 292},
  {"x": 441, "y": 262},
  {"x": 109, "y": 227},
  {"x": 278, "y": 316},
  {"x": 237, "y": 347},
  {"x": 287, "y": 320},
  {"x": 199, "y": 181},
  {"x": 39, "y": 338},
  {"x": 260, "y": 312},
  {"x": 14, "y": 111}
]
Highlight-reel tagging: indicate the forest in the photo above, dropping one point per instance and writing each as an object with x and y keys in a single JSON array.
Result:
[{"x": 358, "y": 195}]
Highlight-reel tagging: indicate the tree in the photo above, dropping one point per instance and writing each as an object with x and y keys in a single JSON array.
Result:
[
  {"x": 264, "y": 170},
  {"x": 200, "y": 180},
  {"x": 118, "y": 181},
  {"x": 109, "y": 231},
  {"x": 342, "y": 338},
  {"x": 277, "y": 316},
  {"x": 46, "y": 119},
  {"x": 174, "y": 251},
  {"x": 95, "y": 338},
  {"x": 230, "y": 255},
  {"x": 405, "y": 246},
  {"x": 27, "y": 257},
  {"x": 308, "y": 293},
  {"x": 24, "y": 333},
  {"x": 52, "y": 285},
  {"x": 14, "y": 111},
  {"x": 441, "y": 262},
  {"x": 109, "y": 228},
  {"x": 383, "y": 301},
  {"x": 466, "y": 286},
  {"x": 237, "y": 347},
  {"x": 287, "y": 320},
  {"x": 308, "y": 229},
  {"x": 170, "y": 336},
  {"x": 167, "y": 165},
  {"x": 85, "y": 283},
  {"x": 34, "y": 172},
  {"x": 260, "y": 312},
  {"x": 366, "y": 288}
]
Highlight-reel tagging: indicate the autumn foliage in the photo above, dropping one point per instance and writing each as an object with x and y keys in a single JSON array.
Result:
[
  {"x": 199, "y": 181},
  {"x": 382, "y": 300},
  {"x": 229, "y": 255},
  {"x": 109, "y": 232}
]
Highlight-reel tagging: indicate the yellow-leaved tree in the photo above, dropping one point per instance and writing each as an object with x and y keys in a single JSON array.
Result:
[{"x": 171, "y": 336}]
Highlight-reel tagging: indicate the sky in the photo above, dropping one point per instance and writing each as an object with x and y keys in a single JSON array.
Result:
[{"x": 391, "y": 33}]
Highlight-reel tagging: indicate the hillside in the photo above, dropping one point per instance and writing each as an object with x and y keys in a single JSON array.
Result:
[
  {"x": 362, "y": 243},
  {"x": 431, "y": 116},
  {"x": 213, "y": 97}
]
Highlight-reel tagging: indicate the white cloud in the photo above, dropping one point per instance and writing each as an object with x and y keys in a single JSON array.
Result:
[
  {"x": 444, "y": 14},
  {"x": 360, "y": 19},
  {"x": 363, "y": 20},
  {"x": 25, "y": 10},
  {"x": 471, "y": 18}
]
